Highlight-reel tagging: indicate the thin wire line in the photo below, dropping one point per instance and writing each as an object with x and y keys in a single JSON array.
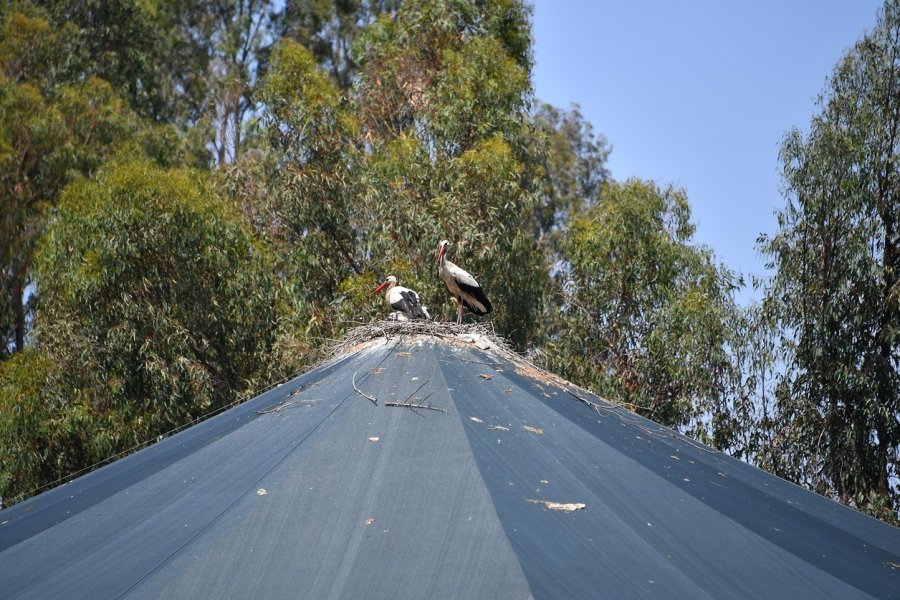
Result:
[{"x": 157, "y": 438}]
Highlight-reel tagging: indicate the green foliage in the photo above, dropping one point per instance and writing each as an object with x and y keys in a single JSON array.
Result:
[
  {"x": 329, "y": 29},
  {"x": 441, "y": 100},
  {"x": 834, "y": 299},
  {"x": 643, "y": 317},
  {"x": 367, "y": 183},
  {"x": 237, "y": 36},
  {"x": 156, "y": 299},
  {"x": 571, "y": 171},
  {"x": 45, "y": 141},
  {"x": 156, "y": 56},
  {"x": 312, "y": 133},
  {"x": 33, "y": 137},
  {"x": 44, "y": 435},
  {"x": 56, "y": 123},
  {"x": 135, "y": 45},
  {"x": 31, "y": 48},
  {"x": 430, "y": 64},
  {"x": 478, "y": 92},
  {"x": 309, "y": 111}
]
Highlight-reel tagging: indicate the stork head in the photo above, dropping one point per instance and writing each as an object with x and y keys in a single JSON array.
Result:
[
  {"x": 389, "y": 282},
  {"x": 442, "y": 249}
]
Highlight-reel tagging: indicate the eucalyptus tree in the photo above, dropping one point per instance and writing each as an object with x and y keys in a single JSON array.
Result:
[
  {"x": 572, "y": 169},
  {"x": 59, "y": 120},
  {"x": 644, "y": 316},
  {"x": 147, "y": 275},
  {"x": 835, "y": 297},
  {"x": 190, "y": 63},
  {"x": 238, "y": 36},
  {"x": 312, "y": 188},
  {"x": 156, "y": 307},
  {"x": 137, "y": 46},
  {"x": 46, "y": 431},
  {"x": 32, "y": 162},
  {"x": 442, "y": 98},
  {"x": 329, "y": 30},
  {"x": 427, "y": 144}
]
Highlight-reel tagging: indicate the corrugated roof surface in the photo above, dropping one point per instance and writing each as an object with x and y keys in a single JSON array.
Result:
[{"x": 313, "y": 491}]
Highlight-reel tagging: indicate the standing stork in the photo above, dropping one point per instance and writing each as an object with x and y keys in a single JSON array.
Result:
[
  {"x": 461, "y": 285},
  {"x": 403, "y": 300}
]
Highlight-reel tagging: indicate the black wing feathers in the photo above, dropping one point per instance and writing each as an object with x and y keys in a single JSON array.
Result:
[
  {"x": 477, "y": 293},
  {"x": 409, "y": 304}
]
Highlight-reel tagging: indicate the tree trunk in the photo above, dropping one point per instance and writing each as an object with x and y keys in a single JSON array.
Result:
[{"x": 19, "y": 307}]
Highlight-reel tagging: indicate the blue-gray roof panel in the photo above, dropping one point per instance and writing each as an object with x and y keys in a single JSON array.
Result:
[{"x": 311, "y": 490}]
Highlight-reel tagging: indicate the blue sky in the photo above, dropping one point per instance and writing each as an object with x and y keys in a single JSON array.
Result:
[{"x": 699, "y": 94}]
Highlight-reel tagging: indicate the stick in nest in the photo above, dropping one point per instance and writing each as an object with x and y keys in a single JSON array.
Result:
[{"x": 358, "y": 391}]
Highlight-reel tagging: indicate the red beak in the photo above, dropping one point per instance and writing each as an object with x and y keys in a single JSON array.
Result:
[
  {"x": 380, "y": 287},
  {"x": 441, "y": 253}
]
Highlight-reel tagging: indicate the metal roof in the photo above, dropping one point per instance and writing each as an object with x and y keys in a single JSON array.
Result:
[{"x": 312, "y": 490}]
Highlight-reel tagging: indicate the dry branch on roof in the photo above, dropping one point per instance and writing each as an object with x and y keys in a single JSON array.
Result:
[{"x": 477, "y": 335}]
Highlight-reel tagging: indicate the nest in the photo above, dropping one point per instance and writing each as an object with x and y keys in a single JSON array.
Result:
[
  {"x": 451, "y": 334},
  {"x": 482, "y": 336}
]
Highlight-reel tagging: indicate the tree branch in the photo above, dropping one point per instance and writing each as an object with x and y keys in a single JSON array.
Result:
[{"x": 358, "y": 391}]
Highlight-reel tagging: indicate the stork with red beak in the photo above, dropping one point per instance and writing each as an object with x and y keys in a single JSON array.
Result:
[
  {"x": 403, "y": 300},
  {"x": 461, "y": 285}
]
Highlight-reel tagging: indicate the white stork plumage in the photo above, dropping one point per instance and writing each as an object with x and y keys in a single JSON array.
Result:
[
  {"x": 461, "y": 286},
  {"x": 403, "y": 300}
]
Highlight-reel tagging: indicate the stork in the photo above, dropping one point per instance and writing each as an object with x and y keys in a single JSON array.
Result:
[
  {"x": 461, "y": 285},
  {"x": 403, "y": 300}
]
